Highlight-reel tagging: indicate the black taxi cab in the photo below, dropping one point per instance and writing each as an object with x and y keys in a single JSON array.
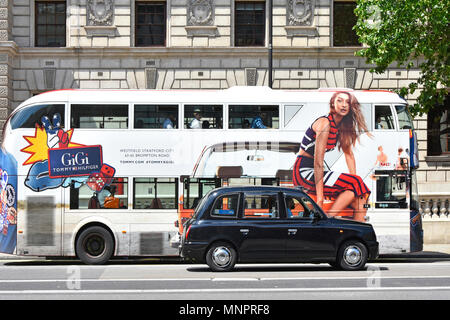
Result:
[{"x": 252, "y": 224}]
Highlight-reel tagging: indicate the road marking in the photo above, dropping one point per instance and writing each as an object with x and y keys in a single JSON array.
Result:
[
  {"x": 235, "y": 279},
  {"x": 220, "y": 279},
  {"x": 238, "y": 290}
]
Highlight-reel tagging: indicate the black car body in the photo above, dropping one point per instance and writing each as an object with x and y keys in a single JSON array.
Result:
[{"x": 272, "y": 224}]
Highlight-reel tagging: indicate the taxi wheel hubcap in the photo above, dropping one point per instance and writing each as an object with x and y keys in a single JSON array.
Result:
[
  {"x": 352, "y": 255},
  {"x": 221, "y": 256}
]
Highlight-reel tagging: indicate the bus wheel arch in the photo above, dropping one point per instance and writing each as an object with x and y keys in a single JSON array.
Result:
[{"x": 94, "y": 243}]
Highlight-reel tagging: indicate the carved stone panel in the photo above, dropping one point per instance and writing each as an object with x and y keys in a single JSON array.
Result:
[
  {"x": 300, "y": 12},
  {"x": 100, "y": 12},
  {"x": 200, "y": 13}
]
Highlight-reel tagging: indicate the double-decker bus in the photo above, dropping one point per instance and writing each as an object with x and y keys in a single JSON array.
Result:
[{"x": 105, "y": 173}]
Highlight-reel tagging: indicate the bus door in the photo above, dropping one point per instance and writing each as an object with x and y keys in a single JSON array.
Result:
[
  {"x": 391, "y": 214},
  {"x": 193, "y": 190},
  {"x": 39, "y": 223}
]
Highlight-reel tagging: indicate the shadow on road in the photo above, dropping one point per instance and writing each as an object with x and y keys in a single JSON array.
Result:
[
  {"x": 422, "y": 257},
  {"x": 277, "y": 268},
  {"x": 416, "y": 257},
  {"x": 116, "y": 261}
]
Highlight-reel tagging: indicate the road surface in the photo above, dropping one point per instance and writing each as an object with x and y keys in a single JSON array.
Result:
[{"x": 422, "y": 279}]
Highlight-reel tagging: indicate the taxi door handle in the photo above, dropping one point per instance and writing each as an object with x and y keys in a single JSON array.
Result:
[
  {"x": 292, "y": 232},
  {"x": 244, "y": 231}
]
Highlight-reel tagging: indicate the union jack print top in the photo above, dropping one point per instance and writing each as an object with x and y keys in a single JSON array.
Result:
[{"x": 309, "y": 139}]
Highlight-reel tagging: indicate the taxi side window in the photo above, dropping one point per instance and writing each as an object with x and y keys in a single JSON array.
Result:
[
  {"x": 261, "y": 206},
  {"x": 225, "y": 206},
  {"x": 298, "y": 207}
]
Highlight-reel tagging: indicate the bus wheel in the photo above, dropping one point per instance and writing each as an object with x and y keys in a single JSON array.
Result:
[
  {"x": 352, "y": 255},
  {"x": 95, "y": 245}
]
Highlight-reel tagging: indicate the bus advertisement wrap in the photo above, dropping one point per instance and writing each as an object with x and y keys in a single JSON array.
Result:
[
  {"x": 110, "y": 152},
  {"x": 8, "y": 195},
  {"x": 74, "y": 162},
  {"x": 58, "y": 162}
]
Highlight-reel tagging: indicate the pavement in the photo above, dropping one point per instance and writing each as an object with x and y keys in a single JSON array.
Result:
[{"x": 430, "y": 251}]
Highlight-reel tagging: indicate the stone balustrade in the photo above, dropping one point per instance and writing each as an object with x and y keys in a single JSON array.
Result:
[{"x": 435, "y": 208}]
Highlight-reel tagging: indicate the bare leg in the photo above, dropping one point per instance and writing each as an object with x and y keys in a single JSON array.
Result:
[
  {"x": 342, "y": 201},
  {"x": 360, "y": 211}
]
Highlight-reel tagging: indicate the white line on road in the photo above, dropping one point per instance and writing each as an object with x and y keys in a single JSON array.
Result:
[
  {"x": 238, "y": 290},
  {"x": 219, "y": 279},
  {"x": 234, "y": 279}
]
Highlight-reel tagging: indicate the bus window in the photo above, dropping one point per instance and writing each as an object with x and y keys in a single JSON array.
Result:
[
  {"x": 290, "y": 112},
  {"x": 28, "y": 117},
  {"x": 253, "y": 117},
  {"x": 366, "y": 109},
  {"x": 252, "y": 182},
  {"x": 392, "y": 190},
  {"x": 203, "y": 117},
  {"x": 383, "y": 118},
  {"x": 404, "y": 119},
  {"x": 112, "y": 196},
  {"x": 156, "y": 116},
  {"x": 99, "y": 116},
  {"x": 195, "y": 189},
  {"x": 155, "y": 193}
]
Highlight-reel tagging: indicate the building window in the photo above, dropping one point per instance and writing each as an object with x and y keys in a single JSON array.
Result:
[
  {"x": 150, "y": 24},
  {"x": 50, "y": 24},
  {"x": 344, "y": 19},
  {"x": 438, "y": 135},
  {"x": 250, "y": 24}
]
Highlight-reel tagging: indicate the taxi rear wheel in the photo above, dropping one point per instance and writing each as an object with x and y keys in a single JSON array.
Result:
[{"x": 221, "y": 256}]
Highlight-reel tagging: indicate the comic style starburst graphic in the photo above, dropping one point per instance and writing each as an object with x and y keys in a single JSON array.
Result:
[{"x": 37, "y": 145}]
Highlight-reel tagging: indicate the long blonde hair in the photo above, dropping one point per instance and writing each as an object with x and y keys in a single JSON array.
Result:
[{"x": 352, "y": 125}]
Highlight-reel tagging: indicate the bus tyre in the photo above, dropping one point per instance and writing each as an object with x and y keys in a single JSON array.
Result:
[
  {"x": 221, "y": 256},
  {"x": 95, "y": 245},
  {"x": 352, "y": 255}
]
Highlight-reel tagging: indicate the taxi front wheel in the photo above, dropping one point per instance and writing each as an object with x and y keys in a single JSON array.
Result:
[{"x": 352, "y": 255}]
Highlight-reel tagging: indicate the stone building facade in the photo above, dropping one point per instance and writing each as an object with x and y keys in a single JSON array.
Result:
[{"x": 101, "y": 45}]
